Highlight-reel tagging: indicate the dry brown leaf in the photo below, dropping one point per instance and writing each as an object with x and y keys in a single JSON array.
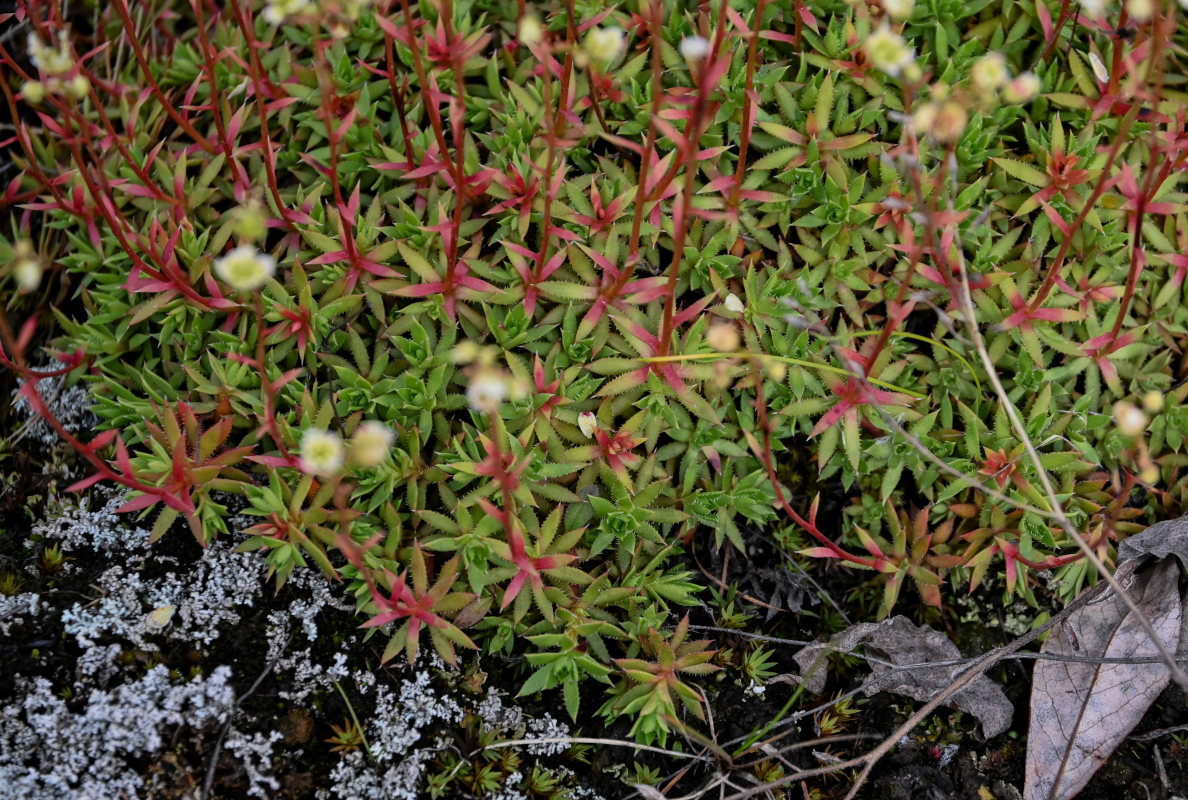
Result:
[
  {"x": 899, "y": 642},
  {"x": 1080, "y": 712},
  {"x": 1162, "y": 539}
]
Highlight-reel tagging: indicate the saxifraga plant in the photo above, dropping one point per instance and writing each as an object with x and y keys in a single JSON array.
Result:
[{"x": 490, "y": 309}]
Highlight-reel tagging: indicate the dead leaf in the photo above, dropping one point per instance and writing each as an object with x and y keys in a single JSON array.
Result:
[
  {"x": 899, "y": 642},
  {"x": 1162, "y": 539},
  {"x": 1080, "y": 712}
]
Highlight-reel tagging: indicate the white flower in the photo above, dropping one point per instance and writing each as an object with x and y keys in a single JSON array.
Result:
[
  {"x": 694, "y": 48},
  {"x": 888, "y": 51},
  {"x": 732, "y": 303},
  {"x": 27, "y": 273},
  {"x": 899, "y": 9},
  {"x": 1022, "y": 89},
  {"x": 371, "y": 443},
  {"x": 1140, "y": 10},
  {"x": 1094, "y": 8},
  {"x": 603, "y": 45},
  {"x": 278, "y": 10},
  {"x": 531, "y": 31},
  {"x": 49, "y": 60},
  {"x": 1130, "y": 420},
  {"x": 990, "y": 72},
  {"x": 486, "y": 391},
  {"x": 322, "y": 452},
  {"x": 245, "y": 268},
  {"x": 588, "y": 423}
]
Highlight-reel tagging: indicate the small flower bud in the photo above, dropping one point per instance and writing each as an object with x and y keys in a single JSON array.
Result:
[
  {"x": 732, "y": 303},
  {"x": 603, "y": 45},
  {"x": 26, "y": 272},
  {"x": 34, "y": 91},
  {"x": 1149, "y": 474},
  {"x": 78, "y": 87},
  {"x": 322, "y": 452},
  {"x": 371, "y": 443},
  {"x": 1022, "y": 89},
  {"x": 888, "y": 51},
  {"x": 723, "y": 337},
  {"x": 245, "y": 268},
  {"x": 1153, "y": 401},
  {"x": 587, "y": 423},
  {"x": 776, "y": 370},
  {"x": 1099, "y": 68},
  {"x": 1129, "y": 419},
  {"x": 899, "y": 10}
]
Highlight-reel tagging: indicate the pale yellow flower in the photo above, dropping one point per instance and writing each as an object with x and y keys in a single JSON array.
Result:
[
  {"x": 371, "y": 443},
  {"x": 245, "y": 268},
  {"x": 322, "y": 452},
  {"x": 888, "y": 51},
  {"x": 603, "y": 45}
]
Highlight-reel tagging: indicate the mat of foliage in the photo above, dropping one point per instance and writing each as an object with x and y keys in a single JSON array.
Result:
[{"x": 524, "y": 321}]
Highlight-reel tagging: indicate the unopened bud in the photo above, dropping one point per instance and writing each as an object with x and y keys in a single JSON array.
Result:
[
  {"x": 78, "y": 87},
  {"x": 1153, "y": 401},
  {"x": 33, "y": 91},
  {"x": 27, "y": 274},
  {"x": 732, "y": 303},
  {"x": 587, "y": 423},
  {"x": 723, "y": 337}
]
